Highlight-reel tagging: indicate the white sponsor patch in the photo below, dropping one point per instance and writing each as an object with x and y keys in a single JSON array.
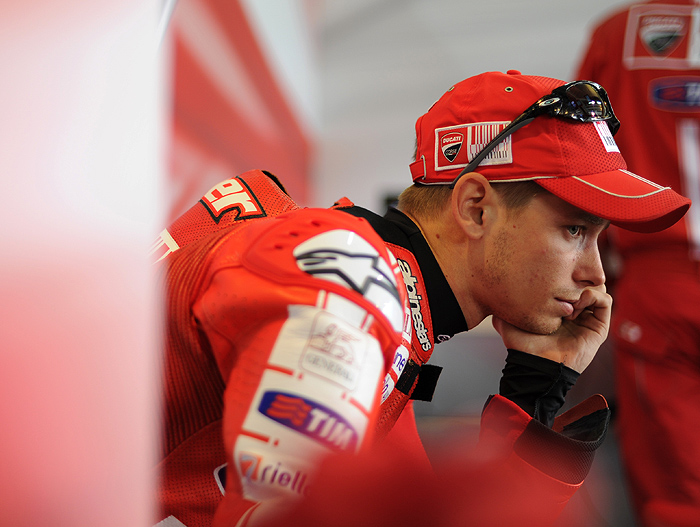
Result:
[
  {"x": 400, "y": 360},
  {"x": 265, "y": 473},
  {"x": 605, "y": 136},
  {"x": 388, "y": 387},
  {"x": 456, "y": 146}
]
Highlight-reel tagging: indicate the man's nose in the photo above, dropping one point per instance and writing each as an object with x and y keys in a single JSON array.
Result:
[{"x": 590, "y": 268}]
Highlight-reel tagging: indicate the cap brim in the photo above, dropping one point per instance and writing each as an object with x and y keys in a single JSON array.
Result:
[{"x": 626, "y": 199}]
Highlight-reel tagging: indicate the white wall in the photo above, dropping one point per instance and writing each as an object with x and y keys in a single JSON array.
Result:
[{"x": 81, "y": 106}]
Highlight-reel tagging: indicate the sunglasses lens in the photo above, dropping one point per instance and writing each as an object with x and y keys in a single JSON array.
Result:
[
  {"x": 580, "y": 100},
  {"x": 586, "y": 103}
]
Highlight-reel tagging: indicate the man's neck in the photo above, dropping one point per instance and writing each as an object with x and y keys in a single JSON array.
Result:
[{"x": 451, "y": 249}]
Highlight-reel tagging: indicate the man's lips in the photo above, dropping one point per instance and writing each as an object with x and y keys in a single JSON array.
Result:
[{"x": 567, "y": 305}]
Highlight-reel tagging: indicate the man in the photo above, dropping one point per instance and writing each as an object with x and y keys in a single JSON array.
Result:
[
  {"x": 284, "y": 330},
  {"x": 646, "y": 56}
]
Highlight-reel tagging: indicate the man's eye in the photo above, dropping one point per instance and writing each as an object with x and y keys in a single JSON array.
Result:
[{"x": 574, "y": 230}]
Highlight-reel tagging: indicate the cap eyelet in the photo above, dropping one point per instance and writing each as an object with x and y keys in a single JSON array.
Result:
[{"x": 509, "y": 89}]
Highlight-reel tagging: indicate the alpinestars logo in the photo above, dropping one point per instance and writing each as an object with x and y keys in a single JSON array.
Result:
[
  {"x": 345, "y": 258},
  {"x": 358, "y": 271},
  {"x": 451, "y": 144},
  {"x": 414, "y": 303}
]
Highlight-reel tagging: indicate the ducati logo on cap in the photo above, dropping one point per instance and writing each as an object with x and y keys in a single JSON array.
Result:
[
  {"x": 451, "y": 144},
  {"x": 456, "y": 146}
]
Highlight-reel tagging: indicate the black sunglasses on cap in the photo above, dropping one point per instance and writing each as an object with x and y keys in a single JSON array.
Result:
[{"x": 583, "y": 101}]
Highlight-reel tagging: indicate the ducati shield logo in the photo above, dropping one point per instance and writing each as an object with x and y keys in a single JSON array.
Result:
[
  {"x": 451, "y": 144},
  {"x": 661, "y": 34}
]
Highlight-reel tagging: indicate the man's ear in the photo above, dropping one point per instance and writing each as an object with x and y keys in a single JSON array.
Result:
[{"x": 474, "y": 204}]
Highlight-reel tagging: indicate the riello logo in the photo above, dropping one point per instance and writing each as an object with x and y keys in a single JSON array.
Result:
[
  {"x": 310, "y": 418},
  {"x": 255, "y": 470}
]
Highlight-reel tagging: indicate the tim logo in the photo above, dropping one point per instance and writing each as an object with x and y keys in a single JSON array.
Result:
[
  {"x": 451, "y": 144},
  {"x": 344, "y": 257},
  {"x": 309, "y": 418},
  {"x": 232, "y": 195},
  {"x": 676, "y": 93}
]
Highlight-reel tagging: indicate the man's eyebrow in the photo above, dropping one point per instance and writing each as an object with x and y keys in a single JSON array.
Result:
[{"x": 594, "y": 220}]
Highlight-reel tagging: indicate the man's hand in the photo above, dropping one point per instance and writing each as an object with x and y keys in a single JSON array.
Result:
[{"x": 576, "y": 341}]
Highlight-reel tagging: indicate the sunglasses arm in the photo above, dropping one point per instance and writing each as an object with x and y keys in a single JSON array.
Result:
[{"x": 508, "y": 130}]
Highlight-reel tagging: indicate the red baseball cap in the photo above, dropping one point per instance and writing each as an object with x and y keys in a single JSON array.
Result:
[{"x": 577, "y": 161}]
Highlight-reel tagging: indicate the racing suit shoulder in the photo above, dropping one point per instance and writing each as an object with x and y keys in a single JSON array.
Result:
[
  {"x": 306, "y": 251},
  {"x": 249, "y": 196}
]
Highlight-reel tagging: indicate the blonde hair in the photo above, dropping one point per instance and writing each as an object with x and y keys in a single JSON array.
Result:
[
  {"x": 428, "y": 201},
  {"x": 424, "y": 201}
]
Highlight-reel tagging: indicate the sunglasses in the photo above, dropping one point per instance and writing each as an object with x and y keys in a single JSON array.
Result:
[{"x": 583, "y": 101}]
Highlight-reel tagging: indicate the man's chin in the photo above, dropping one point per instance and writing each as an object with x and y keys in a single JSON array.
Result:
[{"x": 544, "y": 326}]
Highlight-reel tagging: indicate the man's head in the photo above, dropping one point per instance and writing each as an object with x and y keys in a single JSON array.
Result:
[{"x": 517, "y": 236}]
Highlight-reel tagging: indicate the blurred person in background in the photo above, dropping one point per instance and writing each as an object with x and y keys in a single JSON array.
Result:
[
  {"x": 298, "y": 337},
  {"x": 647, "y": 57}
]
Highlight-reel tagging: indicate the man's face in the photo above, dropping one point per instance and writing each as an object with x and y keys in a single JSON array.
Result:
[{"x": 538, "y": 260}]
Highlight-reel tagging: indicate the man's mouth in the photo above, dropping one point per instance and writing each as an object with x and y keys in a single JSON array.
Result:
[{"x": 567, "y": 305}]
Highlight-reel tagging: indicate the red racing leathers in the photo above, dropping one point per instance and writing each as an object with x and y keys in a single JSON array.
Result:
[{"x": 283, "y": 325}]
